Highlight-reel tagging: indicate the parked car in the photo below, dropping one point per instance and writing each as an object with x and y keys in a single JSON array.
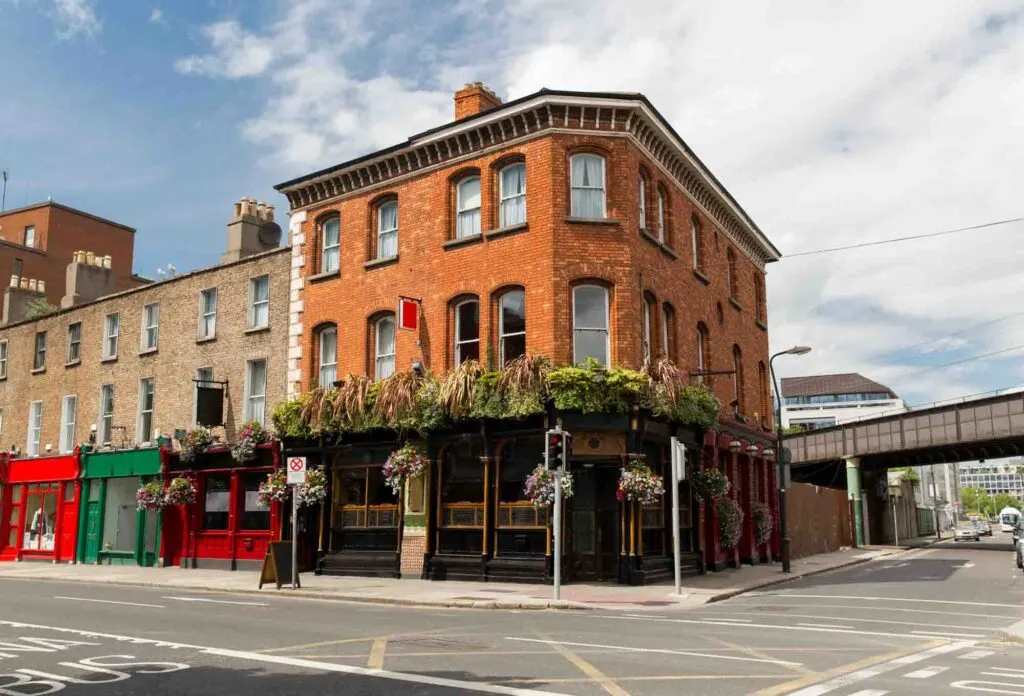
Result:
[
  {"x": 1018, "y": 543},
  {"x": 984, "y": 528},
  {"x": 966, "y": 531}
]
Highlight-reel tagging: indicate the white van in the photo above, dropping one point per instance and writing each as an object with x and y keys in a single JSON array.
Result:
[{"x": 1008, "y": 517}]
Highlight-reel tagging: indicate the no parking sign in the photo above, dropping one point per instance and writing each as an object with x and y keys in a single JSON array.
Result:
[{"x": 296, "y": 471}]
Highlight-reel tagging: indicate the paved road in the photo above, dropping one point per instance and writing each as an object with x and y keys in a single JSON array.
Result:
[{"x": 923, "y": 622}]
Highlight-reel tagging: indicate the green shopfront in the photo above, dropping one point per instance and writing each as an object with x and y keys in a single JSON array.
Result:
[{"x": 113, "y": 530}]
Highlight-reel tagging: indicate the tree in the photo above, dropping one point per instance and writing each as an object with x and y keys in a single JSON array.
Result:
[
  {"x": 1003, "y": 500},
  {"x": 794, "y": 429},
  {"x": 975, "y": 499},
  {"x": 38, "y": 308}
]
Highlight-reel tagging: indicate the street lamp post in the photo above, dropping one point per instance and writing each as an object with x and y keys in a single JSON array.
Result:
[{"x": 782, "y": 458}]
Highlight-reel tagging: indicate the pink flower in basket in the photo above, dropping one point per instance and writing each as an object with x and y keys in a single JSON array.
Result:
[
  {"x": 181, "y": 491},
  {"x": 404, "y": 465}
]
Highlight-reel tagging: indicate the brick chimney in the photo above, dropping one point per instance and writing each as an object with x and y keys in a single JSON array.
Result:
[
  {"x": 251, "y": 231},
  {"x": 88, "y": 277},
  {"x": 18, "y": 297},
  {"x": 474, "y": 99}
]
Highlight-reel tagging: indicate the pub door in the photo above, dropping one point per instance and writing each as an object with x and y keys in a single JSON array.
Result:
[
  {"x": 92, "y": 532},
  {"x": 593, "y": 529}
]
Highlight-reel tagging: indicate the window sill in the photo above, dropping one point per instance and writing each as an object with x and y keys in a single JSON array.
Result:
[
  {"x": 257, "y": 329},
  {"x": 591, "y": 221},
  {"x": 701, "y": 277},
  {"x": 735, "y": 303},
  {"x": 206, "y": 339},
  {"x": 317, "y": 277},
  {"x": 463, "y": 241},
  {"x": 109, "y": 359},
  {"x": 38, "y": 370},
  {"x": 380, "y": 263},
  {"x": 665, "y": 248},
  {"x": 149, "y": 351},
  {"x": 73, "y": 363},
  {"x": 761, "y": 325},
  {"x": 504, "y": 231}
]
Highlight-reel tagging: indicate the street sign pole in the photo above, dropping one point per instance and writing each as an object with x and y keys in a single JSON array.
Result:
[
  {"x": 678, "y": 459},
  {"x": 557, "y": 528},
  {"x": 296, "y": 477}
]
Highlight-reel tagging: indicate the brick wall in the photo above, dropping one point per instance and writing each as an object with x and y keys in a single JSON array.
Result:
[{"x": 173, "y": 365}]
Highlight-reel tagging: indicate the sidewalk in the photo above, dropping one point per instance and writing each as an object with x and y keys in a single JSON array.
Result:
[{"x": 696, "y": 591}]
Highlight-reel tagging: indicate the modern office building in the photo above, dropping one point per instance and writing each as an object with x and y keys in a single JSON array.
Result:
[{"x": 821, "y": 401}]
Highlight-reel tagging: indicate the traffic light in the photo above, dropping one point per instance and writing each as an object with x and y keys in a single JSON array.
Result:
[
  {"x": 566, "y": 449},
  {"x": 555, "y": 449}
]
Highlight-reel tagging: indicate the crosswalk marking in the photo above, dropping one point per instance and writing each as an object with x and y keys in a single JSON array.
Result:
[
  {"x": 977, "y": 654},
  {"x": 926, "y": 672}
]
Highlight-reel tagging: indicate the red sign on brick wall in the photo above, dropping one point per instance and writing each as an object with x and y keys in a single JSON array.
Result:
[{"x": 408, "y": 314}]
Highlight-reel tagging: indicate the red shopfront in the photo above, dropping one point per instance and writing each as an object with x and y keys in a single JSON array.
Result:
[
  {"x": 225, "y": 527},
  {"x": 39, "y": 508}
]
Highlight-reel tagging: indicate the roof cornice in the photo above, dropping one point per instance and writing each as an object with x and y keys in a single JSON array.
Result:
[{"x": 629, "y": 115}]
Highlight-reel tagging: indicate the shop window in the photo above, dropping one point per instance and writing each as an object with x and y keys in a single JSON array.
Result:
[
  {"x": 120, "y": 521},
  {"x": 40, "y": 519},
  {"x": 512, "y": 196},
  {"x": 587, "y": 186},
  {"x": 111, "y": 330},
  {"x": 217, "y": 502},
  {"x": 74, "y": 354},
  {"x": 93, "y": 490},
  {"x": 590, "y": 324},
  {"x": 511, "y": 325},
  {"x": 467, "y": 331},
  {"x": 254, "y": 516}
]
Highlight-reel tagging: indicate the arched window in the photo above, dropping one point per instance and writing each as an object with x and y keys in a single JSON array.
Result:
[
  {"x": 384, "y": 347},
  {"x": 648, "y": 325},
  {"x": 467, "y": 331},
  {"x": 730, "y": 259},
  {"x": 467, "y": 207},
  {"x": 737, "y": 382},
  {"x": 511, "y": 325},
  {"x": 703, "y": 354},
  {"x": 587, "y": 184},
  {"x": 330, "y": 244},
  {"x": 762, "y": 392},
  {"x": 387, "y": 229},
  {"x": 662, "y": 216},
  {"x": 643, "y": 199},
  {"x": 697, "y": 242},
  {"x": 327, "y": 356},
  {"x": 760, "y": 306},
  {"x": 590, "y": 322},
  {"x": 512, "y": 195},
  {"x": 668, "y": 331}
]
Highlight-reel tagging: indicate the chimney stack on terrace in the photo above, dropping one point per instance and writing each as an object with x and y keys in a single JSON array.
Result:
[
  {"x": 252, "y": 230},
  {"x": 475, "y": 98}
]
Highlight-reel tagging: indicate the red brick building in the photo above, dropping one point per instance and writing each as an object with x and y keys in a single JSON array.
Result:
[
  {"x": 39, "y": 240},
  {"x": 562, "y": 223}
]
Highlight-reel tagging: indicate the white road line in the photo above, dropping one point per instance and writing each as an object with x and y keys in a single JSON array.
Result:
[
  {"x": 315, "y": 665},
  {"x": 812, "y": 625},
  {"x": 853, "y": 618},
  {"x": 660, "y": 651},
  {"x": 947, "y": 634},
  {"x": 977, "y": 654},
  {"x": 1003, "y": 675},
  {"x": 987, "y": 686},
  {"x": 786, "y": 627},
  {"x": 722, "y": 618},
  {"x": 870, "y": 692},
  {"x": 873, "y": 671},
  {"x": 893, "y": 599},
  {"x": 110, "y": 601},
  {"x": 1009, "y": 670},
  {"x": 217, "y": 601},
  {"x": 926, "y": 672},
  {"x": 738, "y": 602}
]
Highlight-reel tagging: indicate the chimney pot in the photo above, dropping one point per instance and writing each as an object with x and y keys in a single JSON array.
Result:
[
  {"x": 90, "y": 257},
  {"x": 14, "y": 281},
  {"x": 238, "y": 210},
  {"x": 41, "y": 285},
  {"x": 107, "y": 261},
  {"x": 261, "y": 210},
  {"x": 32, "y": 284},
  {"x": 270, "y": 213},
  {"x": 24, "y": 283}
]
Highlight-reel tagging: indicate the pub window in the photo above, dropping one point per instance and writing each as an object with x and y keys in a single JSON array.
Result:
[
  {"x": 217, "y": 502},
  {"x": 364, "y": 498},
  {"x": 653, "y": 516},
  {"x": 467, "y": 331},
  {"x": 254, "y": 516},
  {"x": 330, "y": 244},
  {"x": 521, "y": 526},
  {"x": 511, "y": 325},
  {"x": 461, "y": 493},
  {"x": 387, "y": 229},
  {"x": 590, "y": 322},
  {"x": 327, "y": 356},
  {"x": 74, "y": 343},
  {"x": 384, "y": 347}
]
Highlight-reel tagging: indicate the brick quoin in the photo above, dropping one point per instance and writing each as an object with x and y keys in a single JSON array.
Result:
[{"x": 546, "y": 258}]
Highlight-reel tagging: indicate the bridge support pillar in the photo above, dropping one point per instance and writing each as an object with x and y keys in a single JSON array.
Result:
[{"x": 853, "y": 494}]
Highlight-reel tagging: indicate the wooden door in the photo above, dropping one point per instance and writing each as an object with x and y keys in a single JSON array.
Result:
[{"x": 93, "y": 516}]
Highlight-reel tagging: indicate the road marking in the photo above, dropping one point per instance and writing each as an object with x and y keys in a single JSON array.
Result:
[
  {"x": 977, "y": 654},
  {"x": 893, "y": 599},
  {"x": 596, "y": 675},
  {"x": 321, "y": 644},
  {"x": 947, "y": 634},
  {"x": 660, "y": 651},
  {"x": 1008, "y": 669},
  {"x": 738, "y": 601},
  {"x": 295, "y": 662},
  {"x": 926, "y": 672},
  {"x": 217, "y": 601},
  {"x": 110, "y": 601},
  {"x": 754, "y": 652},
  {"x": 978, "y": 686},
  {"x": 860, "y": 620},
  {"x": 376, "y": 659},
  {"x": 723, "y": 619},
  {"x": 965, "y": 565},
  {"x": 870, "y": 692},
  {"x": 891, "y": 665},
  {"x": 811, "y": 625},
  {"x": 1003, "y": 675}
]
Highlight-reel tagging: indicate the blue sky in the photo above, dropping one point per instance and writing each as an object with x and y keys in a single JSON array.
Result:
[{"x": 830, "y": 126}]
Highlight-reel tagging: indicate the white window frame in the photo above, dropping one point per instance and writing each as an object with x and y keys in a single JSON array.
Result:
[
  {"x": 141, "y": 411},
  {"x": 74, "y": 343},
  {"x": 201, "y": 377},
  {"x": 666, "y": 314},
  {"x": 105, "y": 431},
  {"x": 695, "y": 243},
  {"x": 254, "y": 304},
  {"x": 576, "y": 329},
  {"x": 460, "y": 211},
  {"x": 111, "y": 334},
  {"x": 30, "y": 236},
  {"x": 207, "y": 317},
  {"x": 578, "y": 157},
  {"x": 3, "y": 359},
  {"x": 730, "y": 262},
  {"x": 701, "y": 354},
  {"x": 330, "y": 252},
  {"x": 459, "y": 341},
  {"x": 382, "y": 232},
  {"x": 251, "y": 397},
  {"x": 150, "y": 327},
  {"x": 643, "y": 203},
  {"x": 323, "y": 366},
  {"x": 68, "y": 416},
  {"x": 380, "y": 358},
  {"x": 502, "y": 334},
  {"x": 737, "y": 366},
  {"x": 646, "y": 321},
  {"x": 504, "y": 197},
  {"x": 35, "y": 428},
  {"x": 661, "y": 215},
  {"x": 39, "y": 351}
]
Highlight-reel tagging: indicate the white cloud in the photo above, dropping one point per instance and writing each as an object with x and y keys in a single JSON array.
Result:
[
  {"x": 829, "y": 126},
  {"x": 156, "y": 16},
  {"x": 75, "y": 17}
]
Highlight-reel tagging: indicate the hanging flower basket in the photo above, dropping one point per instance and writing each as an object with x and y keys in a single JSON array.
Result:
[
  {"x": 150, "y": 496},
  {"x": 710, "y": 485},
  {"x": 244, "y": 448},
  {"x": 730, "y": 522},
  {"x": 764, "y": 522},
  {"x": 404, "y": 465},
  {"x": 314, "y": 490},
  {"x": 540, "y": 486},
  {"x": 637, "y": 482},
  {"x": 181, "y": 491},
  {"x": 195, "y": 442},
  {"x": 274, "y": 489}
]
